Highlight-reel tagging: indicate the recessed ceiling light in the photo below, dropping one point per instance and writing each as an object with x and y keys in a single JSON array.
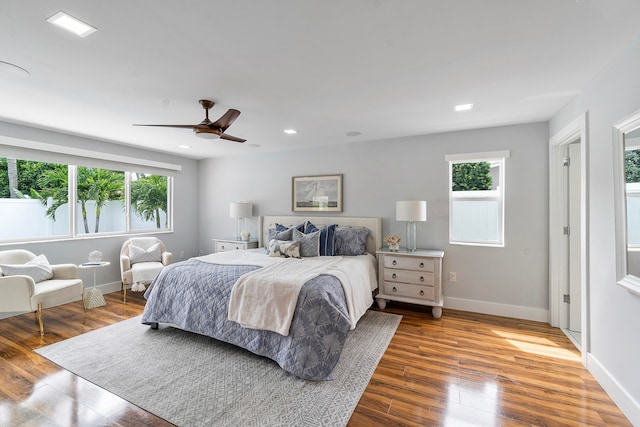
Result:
[
  {"x": 353, "y": 133},
  {"x": 290, "y": 131},
  {"x": 463, "y": 107},
  {"x": 253, "y": 145},
  {"x": 184, "y": 146},
  {"x": 69, "y": 23}
]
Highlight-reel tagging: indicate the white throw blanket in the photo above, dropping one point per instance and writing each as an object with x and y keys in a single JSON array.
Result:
[
  {"x": 143, "y": 273},
  {"x": 266, "y": 298},
  {"x": 356, "y": 274}
]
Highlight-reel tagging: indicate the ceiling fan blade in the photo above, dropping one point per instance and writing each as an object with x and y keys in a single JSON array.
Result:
[
  {"x": 173, "y": 126},
  {"x": 231, "y": 138},
  {"x": 226, "y": 120}
]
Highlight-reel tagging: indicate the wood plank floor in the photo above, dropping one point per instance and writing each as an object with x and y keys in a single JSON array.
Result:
[{"x": 460, "y": 370}]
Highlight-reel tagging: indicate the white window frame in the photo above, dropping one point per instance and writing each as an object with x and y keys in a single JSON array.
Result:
[
  {"x": 73, "y": 234},
  {"x": 498, "y": 194}
]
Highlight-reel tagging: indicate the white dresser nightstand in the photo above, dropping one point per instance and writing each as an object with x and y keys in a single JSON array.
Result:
[
  {"x": 224, "y": 245},
  {"x": 413, "y": 277}
]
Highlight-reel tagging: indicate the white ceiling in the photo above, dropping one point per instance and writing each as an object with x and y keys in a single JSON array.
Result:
[{"x": 385, "y": 68}]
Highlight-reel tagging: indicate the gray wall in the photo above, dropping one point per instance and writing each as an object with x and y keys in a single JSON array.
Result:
[
  {"x": 614, "y": 312},
  {"x": 184, "y": 238},
  {"x": 511, "y": 281}
]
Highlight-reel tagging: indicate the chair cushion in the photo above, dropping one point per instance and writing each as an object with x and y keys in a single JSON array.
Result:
[
  {"x": 38, "y": 269},
  {"x": 138, "y": 254},
  {"x": 55, "y": 292}
]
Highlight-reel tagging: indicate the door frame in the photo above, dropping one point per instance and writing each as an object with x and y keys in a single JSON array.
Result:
[{"x": 558, "y": 244}]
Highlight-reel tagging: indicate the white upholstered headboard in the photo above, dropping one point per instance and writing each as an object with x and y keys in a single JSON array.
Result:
[{"x": 374, "y": 241}]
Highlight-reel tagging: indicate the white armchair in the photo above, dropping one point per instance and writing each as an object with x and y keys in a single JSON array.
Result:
[
  {"x": 141, "y": 261},
  {"x": 21, "y": 293}
]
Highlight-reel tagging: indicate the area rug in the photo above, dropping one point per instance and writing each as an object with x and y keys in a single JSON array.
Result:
[{"x": 192, "y": 380}]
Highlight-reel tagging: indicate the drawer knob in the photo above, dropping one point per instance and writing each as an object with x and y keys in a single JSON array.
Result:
[
  {"x": 395, "y": 289},
  {"x": 422, "y": 278},
  {"x": 422, "y": 265},
  {"x": 393, "y": 275},
  {"x": 237, "y": 247},
  {"x": 421, "y": 293},
  {"x": 394, "y": 262},
  {"x": 223, "y": 247}
]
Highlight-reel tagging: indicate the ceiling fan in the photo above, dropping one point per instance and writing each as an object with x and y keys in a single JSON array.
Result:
[{"x": 207, "y": 128}]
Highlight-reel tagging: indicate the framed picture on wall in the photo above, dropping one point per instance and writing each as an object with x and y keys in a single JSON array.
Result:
[{"x": 319, "y": 193}]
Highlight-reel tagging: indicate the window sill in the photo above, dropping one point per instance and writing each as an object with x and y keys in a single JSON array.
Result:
[{"x": 631, "y": 283}]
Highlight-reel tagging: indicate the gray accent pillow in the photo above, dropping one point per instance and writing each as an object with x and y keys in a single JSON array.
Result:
[
  {"x": 309, "y": 243},
  {"x": 38, "y": 269},
  {"x": 284, "y": 248},
  {"x": 350, "y": 241}
]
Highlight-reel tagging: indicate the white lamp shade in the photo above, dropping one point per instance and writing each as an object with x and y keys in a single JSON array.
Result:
[
  {"x": 240, "y": 210},
  {"x": 411, "y": 210}
]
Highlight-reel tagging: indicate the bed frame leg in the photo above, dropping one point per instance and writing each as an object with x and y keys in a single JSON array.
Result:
[{"x": 153, "y": 325}]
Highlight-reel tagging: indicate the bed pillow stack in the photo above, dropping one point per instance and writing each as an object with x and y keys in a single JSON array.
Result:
[{"x": 329, "y": 240}]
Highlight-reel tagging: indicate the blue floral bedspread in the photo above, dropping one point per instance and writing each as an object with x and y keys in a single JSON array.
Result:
[{"x": 194, "y": 295}]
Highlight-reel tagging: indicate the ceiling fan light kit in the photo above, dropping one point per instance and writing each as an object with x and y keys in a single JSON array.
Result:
[
  {"x": 205, "y": 134},
  {"x": 208, "y": 129}
]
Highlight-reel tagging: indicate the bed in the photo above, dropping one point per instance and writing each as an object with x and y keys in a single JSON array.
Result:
[{"x": 237, "y": 297}]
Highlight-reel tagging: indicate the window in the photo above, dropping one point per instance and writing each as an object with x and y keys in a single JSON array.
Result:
[
  {"x": 632, "y": 186},
  {"x": 34, "y": 200},
  {"x": 100, "y": 197},
  {"x": 149, "y": 202},
  {"x": 476, "y": 198}
]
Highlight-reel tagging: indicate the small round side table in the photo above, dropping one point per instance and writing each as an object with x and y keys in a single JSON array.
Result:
[{"x": 93, "y": 297}]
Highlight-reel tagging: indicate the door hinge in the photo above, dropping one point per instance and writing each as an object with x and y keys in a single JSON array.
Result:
[
  {"x": 566, "y": 230},
  {"x": 566, "y": 161},
  {"x": 566, "y": 298}
]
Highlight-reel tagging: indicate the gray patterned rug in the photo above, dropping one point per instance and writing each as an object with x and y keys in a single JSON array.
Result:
[{"x": 192, "y": 380}]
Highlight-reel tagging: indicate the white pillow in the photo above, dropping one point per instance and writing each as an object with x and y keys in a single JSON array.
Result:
[
  {"x": 137, "y": 254},
  {"x": 38, "y": 268}
]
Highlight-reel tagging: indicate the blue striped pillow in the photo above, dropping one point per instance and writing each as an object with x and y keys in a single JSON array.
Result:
[{"x": 327, "y": 237}]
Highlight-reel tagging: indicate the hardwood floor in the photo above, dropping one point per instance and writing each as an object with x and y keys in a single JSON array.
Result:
[{"x": 462, "y": 369}]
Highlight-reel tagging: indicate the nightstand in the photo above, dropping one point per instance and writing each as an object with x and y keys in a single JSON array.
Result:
[
  {"x": 413, "y": 277},
  {"x": 224, "y": 245}
]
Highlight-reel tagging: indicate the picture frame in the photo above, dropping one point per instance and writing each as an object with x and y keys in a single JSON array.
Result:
[{"x": 317, "y": 193}]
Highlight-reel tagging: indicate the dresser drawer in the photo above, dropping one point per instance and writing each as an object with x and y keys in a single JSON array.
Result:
[
  {"x": 408, "y": 263},
  {"x": 410, "y": 291},
  {"x": 409, "y": 276},
  {"x": 228, "y": 246}
]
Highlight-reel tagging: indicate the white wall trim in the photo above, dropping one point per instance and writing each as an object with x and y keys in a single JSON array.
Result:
[
  {"x": 79, "y": 152},
  {"x": 625, "y": 401},
  {"x": 577, "y": 129},
  {"x": 484, "y": 307},
  {"x": 487, "y": 155}
]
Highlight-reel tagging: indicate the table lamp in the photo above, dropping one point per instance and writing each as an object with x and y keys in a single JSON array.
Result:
[
  {"x": 411, "y": 211},
  {"x": 240, "y": 210}
]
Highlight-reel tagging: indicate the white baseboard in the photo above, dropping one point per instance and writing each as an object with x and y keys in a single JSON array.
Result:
[
  {"x": 515, "y": 311},
  {"x": 629, "y": 406}
]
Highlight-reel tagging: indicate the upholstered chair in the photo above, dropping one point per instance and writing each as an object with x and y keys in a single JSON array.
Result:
[
  {"x": 141, "y": 259},
  {"x": 29, "y": 283}
]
